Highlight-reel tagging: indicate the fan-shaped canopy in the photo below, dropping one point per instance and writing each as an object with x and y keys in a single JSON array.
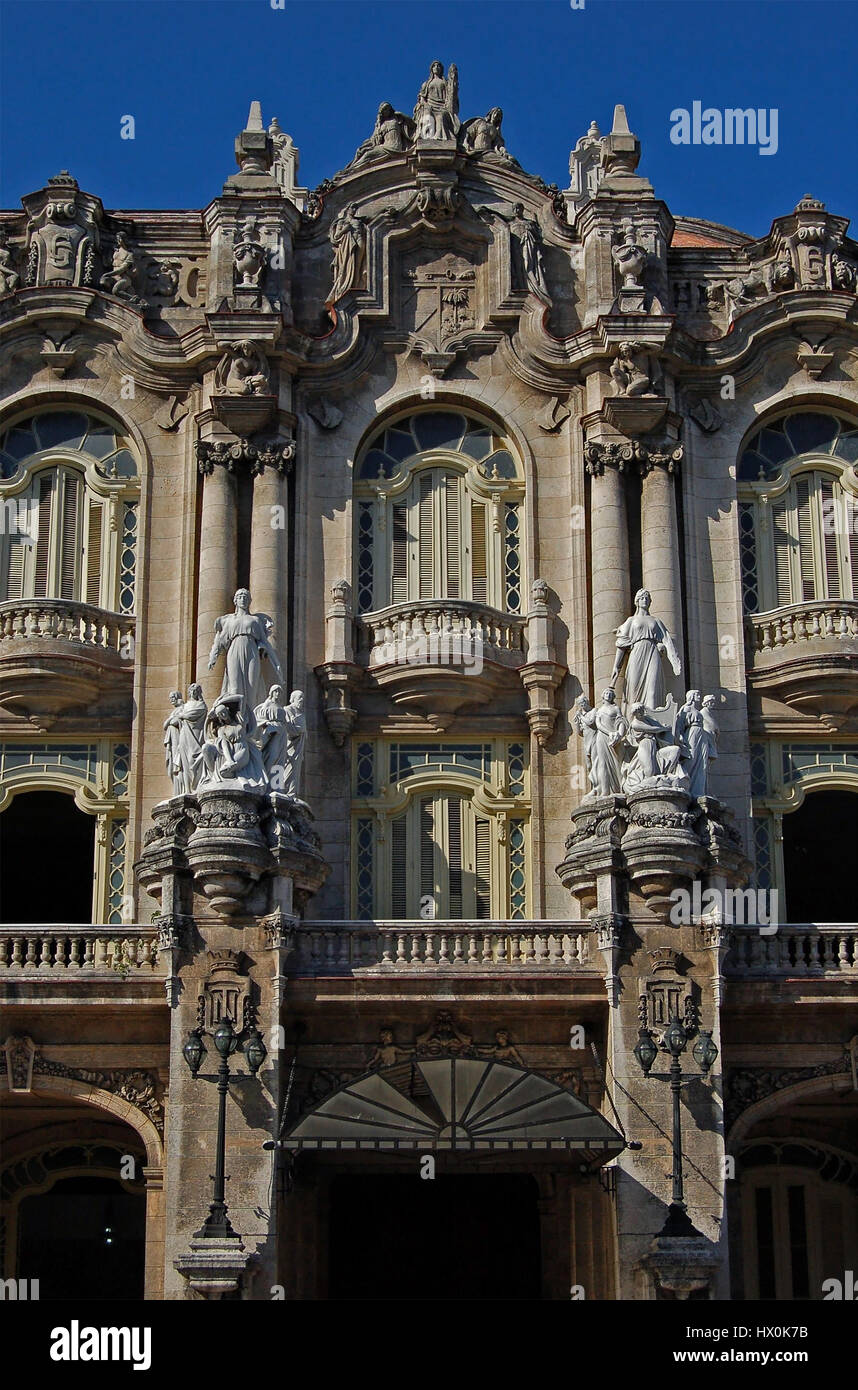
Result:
[{"x": 463, "y": 1103}]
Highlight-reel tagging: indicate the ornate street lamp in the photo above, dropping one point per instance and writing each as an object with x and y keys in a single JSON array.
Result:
[
  {"x": 674, "y": 1041},
  {"x": 226, "y": 1040}
]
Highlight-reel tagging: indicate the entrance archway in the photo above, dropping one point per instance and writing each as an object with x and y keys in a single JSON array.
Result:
[
  {"x": 819, "y": 842},
  {"x": 448, "y": 1178}
]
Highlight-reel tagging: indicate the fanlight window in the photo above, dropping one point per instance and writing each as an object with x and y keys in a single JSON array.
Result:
[
  {"x": 66, "y": 429},
  {"x": 438, "y": 515},
  {"x": 68, "y": 498},
  {"x": 798, "y": 513}
]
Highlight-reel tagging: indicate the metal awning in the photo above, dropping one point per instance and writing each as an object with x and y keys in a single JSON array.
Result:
[{"x": 461, "y": 1103}]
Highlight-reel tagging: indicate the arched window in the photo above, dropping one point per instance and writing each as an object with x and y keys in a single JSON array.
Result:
[
  {"x": 438, "y": 514},
  {"x": 68, "y": 493},
  {"x": 798, "y": 512}
]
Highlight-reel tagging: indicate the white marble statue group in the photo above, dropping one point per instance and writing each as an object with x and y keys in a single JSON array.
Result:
[
  {"x": 649, "y": 741},
  {"x": 241, "y": 741}
]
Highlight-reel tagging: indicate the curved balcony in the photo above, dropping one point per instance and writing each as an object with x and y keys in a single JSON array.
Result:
[
  {"x": 435, "y": 655},
  {"x": 57, "y": 654},
  {"x": 806, "y": 655},
  {"x": 441, "y": 653}
]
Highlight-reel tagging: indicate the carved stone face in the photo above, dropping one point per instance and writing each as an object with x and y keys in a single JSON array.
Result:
[
  {"x": 385, "y": 1037},
  {"x": 436, "y": 70},
  {"x": 241, "y": 599}
]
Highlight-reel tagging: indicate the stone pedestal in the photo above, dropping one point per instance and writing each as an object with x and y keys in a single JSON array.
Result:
[{"x": 234, "y": 862}]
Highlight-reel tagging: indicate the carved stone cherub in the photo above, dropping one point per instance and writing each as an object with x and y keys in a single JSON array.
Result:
[
  {"x": 631, "y": 371},
  {"x": 386, "y": 1053},
  {"x": 9, "y": 277},
  {"x": 243, "y": 370},
  {"x": 121, "y": 279}
]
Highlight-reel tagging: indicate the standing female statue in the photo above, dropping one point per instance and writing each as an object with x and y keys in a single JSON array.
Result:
[
  {"x": 437, "y": 111},
  {"x": 244, "y": 637},
  {"x": 171, "y": 743},
  {"x": 642, "y": 642},
  {"x": 609, "y": 729},
  {"x": 348, "y": 244},
  {"x": 191, "y": 720}
]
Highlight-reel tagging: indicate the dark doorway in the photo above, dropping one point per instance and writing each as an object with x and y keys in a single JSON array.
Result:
[
  {"x": 84, "y": 1239},
  {"x": 47, "y": 849},
  {"x": 458, "y": 1238},
  {"x": 820, "y": 842}
]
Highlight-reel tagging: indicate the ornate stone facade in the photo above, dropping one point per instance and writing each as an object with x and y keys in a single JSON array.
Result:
[{"x": 482, "y": 468}]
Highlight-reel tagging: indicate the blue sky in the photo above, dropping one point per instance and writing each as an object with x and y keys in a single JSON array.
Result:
[{"x": 188, "y": 69}]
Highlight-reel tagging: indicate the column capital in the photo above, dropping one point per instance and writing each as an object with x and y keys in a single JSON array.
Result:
[
  {"x": 666, "y": 455},
  {"x": 278, "y": 455},
  {"x": 614, "y": 453}
]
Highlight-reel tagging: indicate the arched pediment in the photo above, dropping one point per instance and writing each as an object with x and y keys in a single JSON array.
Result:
[{"x": 474, "y": 1104}]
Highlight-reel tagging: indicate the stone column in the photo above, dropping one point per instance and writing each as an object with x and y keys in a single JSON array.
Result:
[
  {"x": 217, "y": 568},
  {"x": 269, "y": 558},
  {"x": 660, "y": 547},
  {"x": 610, "y": 555}
]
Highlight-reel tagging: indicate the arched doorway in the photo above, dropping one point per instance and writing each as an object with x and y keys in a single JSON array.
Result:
[
  {"x": 84, "y": 1237},
  {"x": 448, "y": 1177},
  {"x": 29, "y": 893},
  {"x": 819, "y": 842}
]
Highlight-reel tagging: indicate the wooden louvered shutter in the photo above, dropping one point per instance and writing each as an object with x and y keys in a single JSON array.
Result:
[
  {"x": 852, "y": 543},
  {"x": 831, "y": 517},
  {"x": 13, "y": 586},
  {"x": 482, "y": 836},
  {"x": 454, "y": 855},
  {"x": 426, "y": 538},
  {"x": 43, "y": 543},
  {"x": 783, "y": 545},
  {"x": 398, "y": 868},
  {"x": 399, "y": 568},
  {"x": 452, "y": 518},
  {"x": 479, "y": 565},
  {"x": 805, "y": 539},
  {"x": 93, "y": 553},
  {"x": 427, "y": 851},
  {"x": 69, "y": 542}
]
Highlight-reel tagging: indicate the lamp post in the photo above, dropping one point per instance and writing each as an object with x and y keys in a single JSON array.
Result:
[
  {"x": 226, "y": 1040},
  {"x": 674, "y": 1041}
]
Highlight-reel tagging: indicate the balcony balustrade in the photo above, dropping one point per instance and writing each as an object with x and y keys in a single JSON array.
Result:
[
  {"x": 57, "y": 654},
  {"x": 820, "y": 949},
  {"x": 442, "y": 947},
  {"x": 806, "y": 655},
  {"x": 85, "y": 951}
]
